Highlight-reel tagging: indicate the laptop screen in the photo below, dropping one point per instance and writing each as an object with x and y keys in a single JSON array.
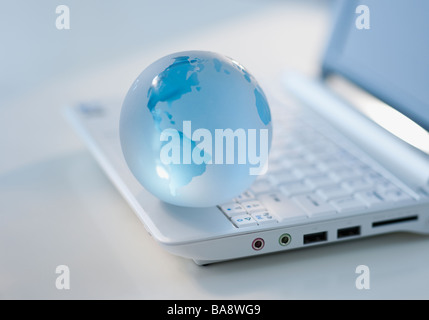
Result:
[{"x": 383, "y": 47}]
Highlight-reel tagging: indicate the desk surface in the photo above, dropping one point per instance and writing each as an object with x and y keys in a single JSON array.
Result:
[{"x": 58, "y": 208}]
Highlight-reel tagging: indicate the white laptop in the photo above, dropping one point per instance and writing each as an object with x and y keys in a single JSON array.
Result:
[{"x": 334, "y": 173}]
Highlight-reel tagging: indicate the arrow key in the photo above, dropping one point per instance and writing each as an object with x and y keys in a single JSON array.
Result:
[{"x": 243, "y": 221}]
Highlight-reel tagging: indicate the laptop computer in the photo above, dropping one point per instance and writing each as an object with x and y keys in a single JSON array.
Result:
[{"x": 335, "y": 173}]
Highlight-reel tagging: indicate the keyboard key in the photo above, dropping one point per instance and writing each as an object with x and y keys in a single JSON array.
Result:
[
  {"x": 319, "y": 181},
  {"x": 283, "y": 177},
  {"x": 253, "y": 206},
  {"x": 261, "y": 186},
  {"x": 355, "y": 185},
  {"x": 293, "y": 162},
  {"x": 276, "y": 155},
  {"x": 333, "y": 192},
  {"x": 343, "y": 173},
  {"x": 321, "y": 147},
  {"x": 384, "y": 185},
  {"x": 347, "y": 204},
  {"x": 294, "y": 188},
  {"x": 373, "y": 176},
  {"x": 243, "y": 221},
  {"x": 275, "y": 166},
  {"x": 264, "y": 218},
  {"x": 314, "y": 205},
  {"x": 312, "y": 158},
  {"x": 345, "y": 156},
  {"x": 283, "y": 208},
  {"x": 232, "y": 209},
  {"x": 290, "y": 143},
  {"x": 245, "y": 196},
  {"x": 306, "y": 171},
  {"x": 328, "y": 165},
  {"x": 363, "y": 167},
  {"x": 395, "y": 195},
  {"x": 370, "y": 198}
]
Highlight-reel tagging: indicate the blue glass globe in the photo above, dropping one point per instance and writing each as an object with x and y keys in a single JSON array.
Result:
[{"x": 195, "y": 129}]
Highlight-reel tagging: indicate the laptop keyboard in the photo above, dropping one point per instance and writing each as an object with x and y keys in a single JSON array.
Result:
[{"x": 311, "y": 175}]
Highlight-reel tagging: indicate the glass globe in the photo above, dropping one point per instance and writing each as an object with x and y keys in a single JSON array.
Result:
[{"x": 195, "y": 129}]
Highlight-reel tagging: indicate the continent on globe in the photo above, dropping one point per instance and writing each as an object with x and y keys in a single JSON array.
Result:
[{"x": 176, "y": 80}]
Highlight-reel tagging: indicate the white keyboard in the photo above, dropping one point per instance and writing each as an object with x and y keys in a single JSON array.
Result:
[{"x": 313, "y": 173}]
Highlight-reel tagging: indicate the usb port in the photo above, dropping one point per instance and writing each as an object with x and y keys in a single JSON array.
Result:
[
  {"x": 348, "y": 232},
  {"x": 315, "y": 237}
]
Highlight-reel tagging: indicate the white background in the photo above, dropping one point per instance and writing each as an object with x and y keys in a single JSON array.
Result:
[{"x": 56, "y": 205}]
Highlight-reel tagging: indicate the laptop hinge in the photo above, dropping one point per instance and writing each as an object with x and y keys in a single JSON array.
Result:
[{"x": 405, "y": 161}]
